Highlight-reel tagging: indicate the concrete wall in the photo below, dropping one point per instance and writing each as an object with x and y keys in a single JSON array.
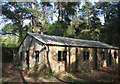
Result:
[
  {"x": 114, "y": 61},
  {"x": 37, "y": 46},
  {"x": 109, "y": 61},
  {"x": 102, "y": 63},
  {"x": 72, "y": 55},
  {"x": 56, "y": 65},
  {"x": 75, "y": 59},
  {"x": 52, "y": 58},
  {"x": 85, "y": 64},
  {"x": 71, "y": 58}
]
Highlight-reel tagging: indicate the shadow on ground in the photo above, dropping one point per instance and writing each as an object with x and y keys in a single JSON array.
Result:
[{"x": 14, "y": 74}]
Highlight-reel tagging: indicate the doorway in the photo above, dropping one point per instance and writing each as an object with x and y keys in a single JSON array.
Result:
[
  {"x": 27, "y": 59},
  {"x": 37, "y": 56},
  {"x": 95, "y": 60}
]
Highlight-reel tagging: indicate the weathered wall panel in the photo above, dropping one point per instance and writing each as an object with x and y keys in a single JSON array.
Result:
[
  {"x": 53, "y": 58},
  {"x": 102, "y": 63},
  {"x": 62, "y": 65},
  {"x": 37, "y": 46},
  {"x": 85, "y": 64},
  {"x": 72, "y": 57},
  {"x": 114, "y": 61}
]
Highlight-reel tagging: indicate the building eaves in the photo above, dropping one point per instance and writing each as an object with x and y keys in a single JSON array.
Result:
[{"x": 65, "y": 41}]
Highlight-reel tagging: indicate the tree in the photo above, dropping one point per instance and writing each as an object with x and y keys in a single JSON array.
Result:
[
  {"x": 86, "y": 25},
  {"x": 110, "y": 30},
  {"x": 95, "y": 28},
  {"x": 77, "y": 28},
  {"x": 86, "y": 11},
  {"x": 103, "y": 8},
  {"x": 96, "y": 25},
  {"x": 51, "y": 28},
  {"x": 65, "y": 11},
  {"x": 9, "y": 40},
  {"x": 17, "y": 14},
  {"x": 43, "y": 12}
]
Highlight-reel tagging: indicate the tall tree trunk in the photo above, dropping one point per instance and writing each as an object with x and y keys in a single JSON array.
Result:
[
  {"x": 88, "y": 21},
  {"x": 31, "y": 40},
  {"x": 107, "y": 33},
  {"x": 104, "y": 16},
  {"x": 62, "y": 12},
  {"x": 21, "y": 37},
  {"x": 118, "y": 6},
  {"x": 61, "y": 7},
  {"x": 65, "y": 27},
  {"x": 58, "y": 12},
  {"x": 20, "y": 27},
  {"x": 118, "y": 41},
  {"x": 58, "y": 16},
  {"x": 42, "y": 19},
  {"x": 31, "y": 24},
  {"x": 31, "y": 18},
  {"x": 30, "y": 52},
  {"x": 23, "y": 47}
]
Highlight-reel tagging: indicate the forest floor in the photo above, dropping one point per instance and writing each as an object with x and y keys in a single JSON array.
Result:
[{"x": 12, "y": 73}]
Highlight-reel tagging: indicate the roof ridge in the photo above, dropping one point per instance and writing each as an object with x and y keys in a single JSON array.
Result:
[
  {"x": 58, "y": 40},
  {"x": 65, "y": 37}
]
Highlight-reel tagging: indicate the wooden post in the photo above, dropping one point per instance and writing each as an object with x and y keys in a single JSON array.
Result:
[
  {"x": 119, "y": 57},
  {"x": 110, "y": 57},
  {"x": 47, "y": 62},
  {"x": 31, "y": 18},
  {"x": 95, "y": 58},
  {"x": 46, "y": 57},
  {"x": 107, "y": 58},
  {"x": 69, "y": 58},
  {"x": 31, "y": 52},
  {"x": 76, "y": 63},
  {"x": 23, "y": 55},
  {"x": 66, "y": 60}
]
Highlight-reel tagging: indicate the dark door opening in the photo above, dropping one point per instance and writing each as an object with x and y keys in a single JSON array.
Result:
[
  {"x": 27, "y": 59},
  {"x": 76, "y": 63},
  {"x": 95, "y": 59},
  {"x": 110, "y": 58},
  {"x": 37, "y": 56},
  {"x": 21, "y": 58}
]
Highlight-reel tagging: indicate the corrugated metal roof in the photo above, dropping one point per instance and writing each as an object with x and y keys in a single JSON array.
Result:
[{"x": 65, "y": 41}]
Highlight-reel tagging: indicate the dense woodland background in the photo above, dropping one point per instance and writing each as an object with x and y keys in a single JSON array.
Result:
[{"x": 74, "y": 19}]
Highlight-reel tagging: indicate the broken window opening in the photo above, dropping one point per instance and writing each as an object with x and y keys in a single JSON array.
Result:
[
  {"x": 62, "y": 55},
  {"x": 86, "y": 55},
  {"x": 102, "y": 55},
  {"x": 37, "y": 56}
]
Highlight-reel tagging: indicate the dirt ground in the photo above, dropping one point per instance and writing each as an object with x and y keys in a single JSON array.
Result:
[{"x": 11, "y": 73}]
